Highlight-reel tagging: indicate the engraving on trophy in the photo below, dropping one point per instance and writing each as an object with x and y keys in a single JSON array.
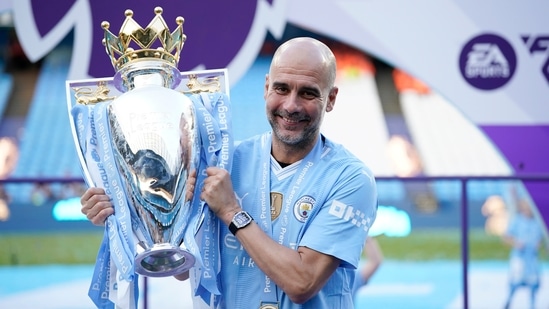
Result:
[
  {"x": 208, "y": 84},
  {"x": 88, "y": 95}
]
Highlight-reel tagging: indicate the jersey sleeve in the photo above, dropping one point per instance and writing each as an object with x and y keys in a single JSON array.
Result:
[{"x": 339, "y": 228}]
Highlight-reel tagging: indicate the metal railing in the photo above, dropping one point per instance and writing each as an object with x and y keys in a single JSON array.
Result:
[
  {"x": 464, "y": 204},
  {"x": 464, "y": 229}
]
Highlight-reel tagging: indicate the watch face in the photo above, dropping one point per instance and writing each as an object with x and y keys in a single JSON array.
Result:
[{"x": 241, "y": 219}]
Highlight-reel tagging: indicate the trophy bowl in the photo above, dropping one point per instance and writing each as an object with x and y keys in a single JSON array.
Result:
[{"x": 155, "y": 145}]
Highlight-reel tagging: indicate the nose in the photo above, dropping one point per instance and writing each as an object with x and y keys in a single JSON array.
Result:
[{"x": 292, "y": 103}]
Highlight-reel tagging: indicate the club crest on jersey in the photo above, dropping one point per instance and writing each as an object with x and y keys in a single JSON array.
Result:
[{"x": 303, "y": 207}]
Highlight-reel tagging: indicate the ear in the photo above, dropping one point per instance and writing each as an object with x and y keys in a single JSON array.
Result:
[
  {"x": 266, "y": 90},
  {"x": 331, "y": 99}
]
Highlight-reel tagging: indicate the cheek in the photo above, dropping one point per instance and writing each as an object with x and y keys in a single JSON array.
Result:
[
  {"x": 315, "y": 112},
  {"x": 270, "y": 103},
  {"x": 273, "y": 100}
]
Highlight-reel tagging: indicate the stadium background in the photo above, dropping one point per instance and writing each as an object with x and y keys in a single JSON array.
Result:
[{"x": 399, "y": 125}]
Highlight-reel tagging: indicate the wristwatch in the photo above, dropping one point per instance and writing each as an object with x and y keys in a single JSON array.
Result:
[{"x": 240, "y": 220}]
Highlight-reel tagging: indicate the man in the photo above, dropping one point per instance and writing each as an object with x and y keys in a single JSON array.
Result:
[
  {"x": 312, "y": 202},
  {"x": 524, "y": 235}
]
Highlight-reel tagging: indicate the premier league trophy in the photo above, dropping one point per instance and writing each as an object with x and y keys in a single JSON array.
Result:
[{"x": 137, "y": 136}]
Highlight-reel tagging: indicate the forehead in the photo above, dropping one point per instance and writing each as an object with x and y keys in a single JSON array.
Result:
[
  {"x": 296, "y": 70},
  {"x": 297, "y": 76},
  {"x": 302, "y": 61}
]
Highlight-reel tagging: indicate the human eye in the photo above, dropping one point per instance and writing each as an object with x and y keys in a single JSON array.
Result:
[
  {"x": 309, "y": 94},
  {"x": 280, "y": 89}
]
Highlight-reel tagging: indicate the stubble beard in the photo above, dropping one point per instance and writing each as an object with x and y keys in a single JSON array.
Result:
[{"x": 292, "y": 141}]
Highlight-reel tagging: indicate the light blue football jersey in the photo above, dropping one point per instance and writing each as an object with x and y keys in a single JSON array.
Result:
[{"x": 326, "y": 202}]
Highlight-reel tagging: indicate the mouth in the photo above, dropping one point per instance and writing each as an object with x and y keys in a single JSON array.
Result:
[
  {"x": 291, "y": 124},
  {"x": 290, "y": 121}
]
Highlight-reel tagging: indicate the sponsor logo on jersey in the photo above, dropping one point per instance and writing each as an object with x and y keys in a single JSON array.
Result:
[{"x": 350, "y": 214}]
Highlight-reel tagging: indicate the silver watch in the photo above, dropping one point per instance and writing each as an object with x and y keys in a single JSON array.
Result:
[{"x": 240, "y": 220}]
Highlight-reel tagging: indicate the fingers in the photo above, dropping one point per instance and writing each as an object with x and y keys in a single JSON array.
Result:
[
  {"x": 96, "y": 205},
  {"x": 214, "y": 170},
  {"x": 203, "y": 193},
  {"x": 191, "y": 182},
  {"x": 89, "y": 193},
  {"x": 100, "y": 212},
  {"x": 217, "y": 190},
  {"x": 183, "y": 276},
  {"x": 192, "y": 174},
  {"x": 217, "y": 177},
  {"x": 190, "y": 192}
]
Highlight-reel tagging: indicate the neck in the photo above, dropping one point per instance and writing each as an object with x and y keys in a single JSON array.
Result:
[{"x": 288, "y": 154}]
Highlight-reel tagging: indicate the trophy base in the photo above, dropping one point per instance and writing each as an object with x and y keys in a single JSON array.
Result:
[{"x": 163, "y": 260}]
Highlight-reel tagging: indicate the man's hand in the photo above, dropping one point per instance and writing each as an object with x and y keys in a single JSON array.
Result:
[
  {"x": 96, "y": 205},
  {"x": 218, "y": 192},
  {"x": 190, "y": 185},
  {"x": 182, "y": 276}
]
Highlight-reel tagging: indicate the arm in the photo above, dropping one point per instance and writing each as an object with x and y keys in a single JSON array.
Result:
[
  {"x": 374, "y": 258},
  {"x": 509, "y": 237},
  {"x": 299, "y": 273}
]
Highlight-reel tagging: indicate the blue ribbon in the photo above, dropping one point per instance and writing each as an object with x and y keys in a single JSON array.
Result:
[
  {"x": 215, "y": 130},
  {"x": 214, "y": 118},
  {"x": 117, "y": 245}
]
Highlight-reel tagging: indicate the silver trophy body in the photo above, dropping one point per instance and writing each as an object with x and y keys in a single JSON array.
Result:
[
  {"x": 153, "y": 134},
  {"x": 156, "y": 148}
]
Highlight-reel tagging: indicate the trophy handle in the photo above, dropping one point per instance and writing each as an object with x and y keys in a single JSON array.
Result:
[{"x": 86, "y": 91}]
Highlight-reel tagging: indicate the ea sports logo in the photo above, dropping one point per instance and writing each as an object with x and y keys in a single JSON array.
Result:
[{"x": 487, "y": 62}]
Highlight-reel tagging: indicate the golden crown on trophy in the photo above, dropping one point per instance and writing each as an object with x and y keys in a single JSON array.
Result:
[{"x": 119, "y": 50}]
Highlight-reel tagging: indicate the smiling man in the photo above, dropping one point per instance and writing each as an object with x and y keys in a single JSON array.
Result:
[{"x": 296, "y": 207}]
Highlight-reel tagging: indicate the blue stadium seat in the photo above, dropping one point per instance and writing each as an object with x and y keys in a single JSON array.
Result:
[{"x": 46, "y": 147}]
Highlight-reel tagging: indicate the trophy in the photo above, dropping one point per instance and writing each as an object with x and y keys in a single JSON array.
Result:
[{"x": 137, "y": 135}]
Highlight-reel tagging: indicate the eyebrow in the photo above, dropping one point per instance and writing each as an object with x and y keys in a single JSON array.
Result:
[
  {"x": 280, "y": 84},
  {"x": 313, "y": 90}
]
